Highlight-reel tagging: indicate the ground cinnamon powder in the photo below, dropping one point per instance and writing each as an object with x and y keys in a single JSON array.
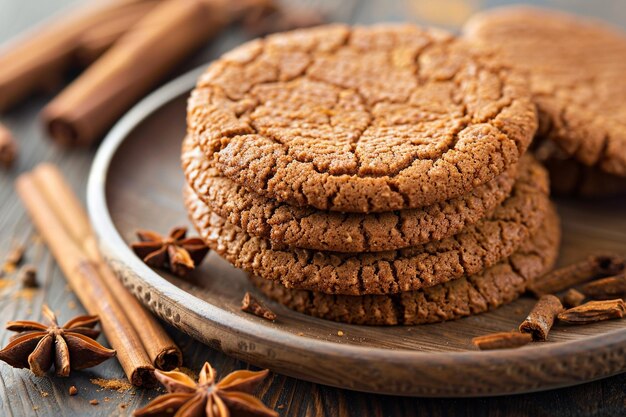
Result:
[{"x": 119, "y": 385}]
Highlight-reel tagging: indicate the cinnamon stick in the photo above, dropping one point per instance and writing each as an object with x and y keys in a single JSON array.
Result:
[
  {"x": 161, "y": 349},
  {"x": 595, "y": 266},
  {"x": 40, "y": 58},
  {"x": 502, "y": 340},
  {"x": 573, "y": 298},
  {"x": 606, "y": 288},
  {"x": 8, "y": 148},
  {"x": 96, "y": 40},
  {"x": 283, "y": 19},
  {"x": 541, "y": 318},
  {"x": 594, "y": 311},
  {"x": 137, "y": 62},
  {"x": 82, "y": 276}
]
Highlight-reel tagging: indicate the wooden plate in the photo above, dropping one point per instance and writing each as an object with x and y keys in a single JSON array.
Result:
[{"x": 136, "y": 182}]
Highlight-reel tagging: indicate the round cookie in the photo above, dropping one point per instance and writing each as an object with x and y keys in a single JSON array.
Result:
[
  {"x": 468, "y": 252},
  {"x": 576, "y": 68},
  {"x": 497, "y": 285},
  {"x": 363, "y": 119},
  {"x": 309, "y": 228},
  {"x": 568, "y": 177}
]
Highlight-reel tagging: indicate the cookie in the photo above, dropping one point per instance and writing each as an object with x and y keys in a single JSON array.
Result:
[
  {"x": 363, "y": 119},
  {"x": 489, "y": 289},
  {"x": 568, "y": 177},
  {"x": 468, "y": 252},
  {"x": 576, "y": 68},
  {"x": 309, "y": 228}
]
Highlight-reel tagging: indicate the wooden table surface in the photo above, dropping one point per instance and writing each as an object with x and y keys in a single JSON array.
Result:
[{"x": 22, "y": 394}]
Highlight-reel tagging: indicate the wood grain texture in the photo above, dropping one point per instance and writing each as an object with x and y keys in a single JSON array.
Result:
[{"x": 20, "y": 392}]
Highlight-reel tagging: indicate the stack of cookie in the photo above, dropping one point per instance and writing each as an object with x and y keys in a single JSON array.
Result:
[
  {"x": 370, "y": 175},
  {"x": 576, "y": 68}
]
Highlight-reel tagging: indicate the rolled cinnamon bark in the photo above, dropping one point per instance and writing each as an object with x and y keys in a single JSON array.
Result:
[
  {"x": 573, "y": 298},
  {"x": 82, "y": 276},
  {"x": 594, "y": 311},
  {"x": 135, "y": 64},
  {"x": 39, "y": 59},
  {"x": 96, "y": 40},
  {"x": 8, "y": 148},
  {"x": 541, "y": 318},
  {"x": 161, "y": 349},
  {"x": 502, "y": 340},
  {"x": 606, "y": 288},
  {"x": 595, "y": 266}
]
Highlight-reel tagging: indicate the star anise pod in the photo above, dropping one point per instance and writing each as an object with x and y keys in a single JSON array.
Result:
[
  {"x": 230, "y": 397},
  {"x": 176, "y": 252},
  {"x": 38, "y": 346}
]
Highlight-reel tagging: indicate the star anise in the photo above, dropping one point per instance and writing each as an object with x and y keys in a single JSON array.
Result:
[
  {"x": 38, "y": 346},
  {"x": 230, "y": 397},
  {"x": 176, "y": 252}
]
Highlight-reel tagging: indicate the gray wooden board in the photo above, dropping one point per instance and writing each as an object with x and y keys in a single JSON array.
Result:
[{"x": 20, "y": 393}]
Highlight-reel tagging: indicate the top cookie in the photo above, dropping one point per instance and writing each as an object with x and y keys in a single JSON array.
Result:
[
  {"x": 308, "y": 228},
  {"x": 576, "y": 68},
  {"x": 363, "y": 119}
]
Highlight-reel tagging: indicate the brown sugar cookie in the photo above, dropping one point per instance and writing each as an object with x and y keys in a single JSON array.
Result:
[
  {"x": 568, "y": 177},
  {"x": 576, "y": 68},
  {"x": 486, "y": 290},
  {"x": 309, "y": 228},
  {"x": 363, "y": 119},
  {"x": 468, "y": 252}
]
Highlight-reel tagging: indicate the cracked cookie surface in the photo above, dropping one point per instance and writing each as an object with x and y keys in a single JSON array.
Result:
[
  {"x": 310, "y": 119},
  {"x": 309, "y": 228},
  {"x": 468, "y": 252},
  {"x": 497, "y": 285},
  {"x": 576, "y": 68}
]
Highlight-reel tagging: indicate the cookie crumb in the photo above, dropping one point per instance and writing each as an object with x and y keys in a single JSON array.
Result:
[
  {"x": 94, "y": 402},
  {"x": 44, "y": 394},
  {"x": 340, "y": 333},
  {"x": 28, "y": 276},
  {"x": 73, "y": 391},
  {"x": 300, "y": 334},
  {"x": 249, "y": 304}
]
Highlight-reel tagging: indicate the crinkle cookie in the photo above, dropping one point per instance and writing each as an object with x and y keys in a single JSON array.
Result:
[
  {"x": 473, "y": 249},
  {"x": 497, "y": 285},
  {"x": 576, "y": 68},
  {"x": 310, "y": 228},
  {"x": 361, "y": 119}
]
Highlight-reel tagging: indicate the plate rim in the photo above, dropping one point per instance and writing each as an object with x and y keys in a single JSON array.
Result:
[{"x": 106, "y": 231}]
